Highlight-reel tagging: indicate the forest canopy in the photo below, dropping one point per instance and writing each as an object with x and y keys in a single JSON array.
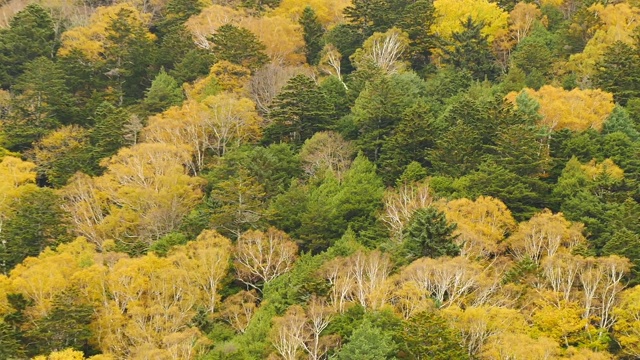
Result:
[{"x": 326, "y": 179}]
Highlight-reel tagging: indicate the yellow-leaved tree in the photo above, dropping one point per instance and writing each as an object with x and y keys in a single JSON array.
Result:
[
  {"x": 451, "y": 13},
  {"x": 627, "y": 328},
  {"x": 281, "y": 35},
  {"x": 482, "y": 225},
  {"x": 143, "y": 195},
  {"x": 329, "y": 12},
  {"x": 209, "y": 127},
  {"x": 616, "y": 22},
  {"x": 95, "y": 39},
  {"x": 15, "y": 175},
  {"x": 545, "y": 234},
  {"x": 576, "y": 110}
]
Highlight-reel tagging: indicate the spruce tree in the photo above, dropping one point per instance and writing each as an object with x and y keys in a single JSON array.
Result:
[
  {"x": 471, "y": 51},
  {"x": 619, "y": 121},
  {"x": 368, "y": 343},
  {"x": 239, "y": 46},
  {"x": 30, "y": 35},
  {"x": 312, "y": 33},
  {"x": 427, "y": 335},
  {"x": 107, "y": 134},
  {"x": 618, "y": 72},
  {"x": 163, "y": 93},
  {"x": 299, "y": 111},
  {"x": 429, "y": 234}
]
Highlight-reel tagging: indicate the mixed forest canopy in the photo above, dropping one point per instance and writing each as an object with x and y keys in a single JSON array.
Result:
[{"x": 289, "y": 179}]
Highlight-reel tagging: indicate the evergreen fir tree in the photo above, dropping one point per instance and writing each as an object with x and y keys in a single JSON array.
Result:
[
  {"x": 30, "y": 35},
  {"x": 619, "y": 121},
  {"x": 312, "y": 33},
  {"x": 428, "y": 234},
  {"x": 300, "y": 110},
  {"x": 163, "y": 93},
  {"x": 471, "y": 52},
  {"x": 368, "y": 343},
  {"x": 239, "y": 46}
]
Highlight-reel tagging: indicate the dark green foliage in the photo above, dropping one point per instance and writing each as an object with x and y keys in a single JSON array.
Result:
[
  {"x": 417, "y": 17},
  {"x": 163, "y": 93},
  {"x": 260, "y": 5},
  {"x": 514, "y": 80},
  {"x": 534, "y": 58},
  {"x": 427, "y": 336},
  {"x": 36, "y": 222},
  {"x": 10, "y": 343},
  {"x": 274, "y": 167},
  {"x": 379, "y": 108},
  {"x": 287, "y": 209},
  {"x": 347, "y": 40},
  {"x": 619, "y": 121},
  {"x": 369, "y": 16},
  {"x": 238, "y": 46},
  {"x": 300, "y": 110},
  {"x": 87, "y": 83},
  {"x": 522, "y": 195},
  {"x": 127, "y": 61},
  {"x": 108, "y": 133},
  {"x": 428, "y": 234},
  {"x": 30, "y": 35},
  {"x": 444, "y": 84},
  {"x": 172, "y": 49},
  {"x": 337, "y": 96},
  {"x": 167, "y": 242},
  {"x": 312, "y": 33},
  {"x": 624, "y": 152},
  {"x": 518, "y": 148},
  {"x": 67, "y": 325},
  {"x": 368, "y": 343},
  {"x": 458, "y": 151},
  {"x": 12, "y": 336},
  {"x": 414, "y": 172},
  {"x": 618, "y": 72},
  {"x": 414, "y": 136},
  {"x": 177, "y": 12},
  {"x": 194, "y": 64},
  {"x": 471, "y": 52},
  {"x": 321, "y": 223},
  {"x": 62, "y": 167},
  {"x": 360, "y": 196},
  {"x": 625, "y": 242},
  {"x": 42, "y": 103}
]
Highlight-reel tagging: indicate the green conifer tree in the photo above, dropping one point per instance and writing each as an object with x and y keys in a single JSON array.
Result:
[
  {"x": 312, "y": 33},
  {"x": 239, "y": 46},
  {"x": 30, "y": 35},
  {"x": 429, "y": 234},
  {"x": 163, "y": 93}
]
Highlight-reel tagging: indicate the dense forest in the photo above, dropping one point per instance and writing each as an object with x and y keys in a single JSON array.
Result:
[{"x": 321, "y": 179}]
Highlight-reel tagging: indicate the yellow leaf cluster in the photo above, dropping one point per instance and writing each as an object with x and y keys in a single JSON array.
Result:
[
  {"x": 451, "y": 13},
  {"x": 216, "y": 124},
  {"x": 70, "y": 354},
  {"x": 594, "y": 169},
  {"x": 143, "y": 306},
  {"x": 576, "y": 110},
  {"x": 92, "y": 40},
  {"x": 627, "y": 328},
  {"x": 143, "y": 195},
  {"x": 329, "y": 12},
  {"x": 482, "y": 225},
  {"x": 616, "y": 22},
  {"x": 279, "y": 33},
  {"x": 545, "y": 234}
]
